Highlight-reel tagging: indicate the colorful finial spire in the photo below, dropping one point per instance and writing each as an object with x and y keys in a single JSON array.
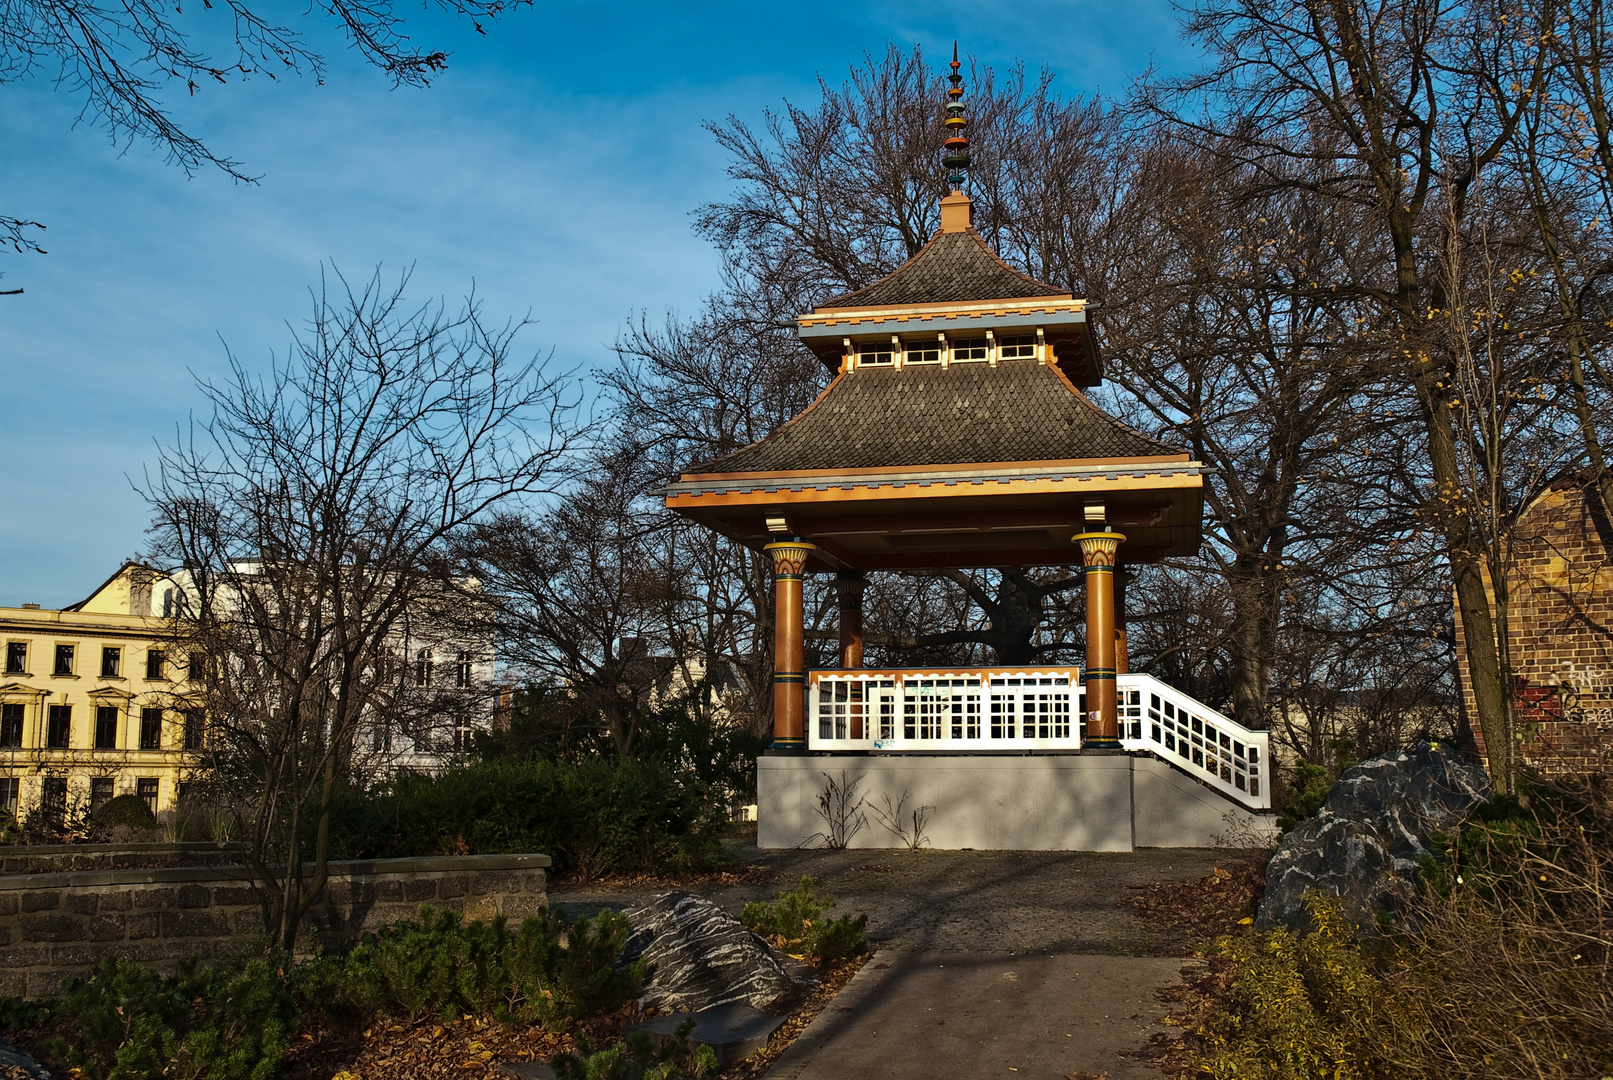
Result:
[{"x": 957, "y": 145}]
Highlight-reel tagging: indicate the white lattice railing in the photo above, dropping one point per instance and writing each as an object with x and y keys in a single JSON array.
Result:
[{"x": 1024, "y": 709}]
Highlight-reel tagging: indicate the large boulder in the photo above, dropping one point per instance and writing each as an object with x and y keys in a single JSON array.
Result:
[
  {"x": 697, "y": 955},
  {"x": 1364, "y": 844}
]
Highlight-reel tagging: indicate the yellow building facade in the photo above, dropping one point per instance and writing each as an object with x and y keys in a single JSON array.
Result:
[{"x": 94, "y": 703}]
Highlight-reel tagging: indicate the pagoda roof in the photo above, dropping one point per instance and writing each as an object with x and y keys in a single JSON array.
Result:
[
  {"x": 954, "y": 267},
  {"x": 1015, "y": 411}
]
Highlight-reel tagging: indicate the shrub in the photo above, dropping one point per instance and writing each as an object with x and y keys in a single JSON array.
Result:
[
  {"x": 226, "y": 1022},
  {"x": 797, "y": 925},
  {"x": 594, "y": 817},
  {"x": 542, "y": 973},
  {"x": 1297, "y": 1007},
  {"x": 129, "y": 811}
]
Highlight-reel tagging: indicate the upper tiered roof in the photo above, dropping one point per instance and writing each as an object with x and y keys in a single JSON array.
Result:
[{"x": 954, "y": 267}]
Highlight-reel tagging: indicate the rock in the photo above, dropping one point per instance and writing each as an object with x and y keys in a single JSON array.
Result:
[
  {"x": 732, "y": 1031},
  {"x": 1365, "y": 842},
  {"x": 16, "y": 1065},
  {"x": 697, "y": 956}
]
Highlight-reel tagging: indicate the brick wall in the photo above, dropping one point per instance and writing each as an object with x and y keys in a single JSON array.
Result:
[
  {"x": 1560, "y": 631},
  {"x": 53, "y": 926},
  {"x": 59, "y": 858}
]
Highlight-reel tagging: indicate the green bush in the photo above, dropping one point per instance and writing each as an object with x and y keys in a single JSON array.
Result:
[
  {"x": 595, "y": 816},
  {"x": 1298, "y": 1007},
  {"x": 126, "y": 810},
  {"x": 797, "y": 924},
  {"x": 226, "y": 1022},
  {"x": 542, "y": 973},
  {"x": 637, "y": 1058}
]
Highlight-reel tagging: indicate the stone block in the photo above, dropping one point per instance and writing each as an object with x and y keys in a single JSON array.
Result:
[
  {"x": 47, "y": 982},
  {"x": 121, "y": 900},
  {"x": 246, "y": 923},
  {"x": 13, "y": 982},
  {"x": 535, "y": 881},
  {"x": 163, "y": 950},
  {"x": 41, "y": 901},
  {"x": 160, "y": 897},
  {"x": 25, "y": 956},
  {"x": 80, "y": 956},
  {"x": 145, "y": 925},
  {"x": 53, "y": 927},
  {"x": 451, "y": 886},
  {"x": 194, "y": 896},
  {"x": 525, "y": 906},
  {"x": 8, "y": 903},
  {"x": 79, "y": 903},
  {"x": 104, "y": 928},
  {"x": 193, "y": 924},
  {"x": 388, "y": 890},
  {"x": 419, "y": 890},
  {"x": 482, "y": 909},
  {"x": 494, "y": 881},
  {"x": 234, "y": 896}
]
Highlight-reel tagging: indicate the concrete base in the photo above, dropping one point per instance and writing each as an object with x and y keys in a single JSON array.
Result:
[{"x": 1076, "y": 802}]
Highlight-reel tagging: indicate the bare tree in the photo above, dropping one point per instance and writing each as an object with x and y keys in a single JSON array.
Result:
[{"x": 312, "y": 512}]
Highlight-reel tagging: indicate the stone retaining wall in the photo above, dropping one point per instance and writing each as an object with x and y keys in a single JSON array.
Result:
[
  {"x": 61, "y": 858},
  {"x": 54, "y": 926}
]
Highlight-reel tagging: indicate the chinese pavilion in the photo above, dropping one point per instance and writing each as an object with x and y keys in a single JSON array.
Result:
[{"x": 955, "y": 433}]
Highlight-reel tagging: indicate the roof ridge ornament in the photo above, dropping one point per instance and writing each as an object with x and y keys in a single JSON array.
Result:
[{"x": 956, "y": 159}]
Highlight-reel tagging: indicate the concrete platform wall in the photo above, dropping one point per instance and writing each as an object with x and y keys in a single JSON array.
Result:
[{"x": 1051, "y": 803}]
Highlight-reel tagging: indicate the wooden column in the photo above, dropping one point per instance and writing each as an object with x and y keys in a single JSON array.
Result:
[
  {"x": 850, "y": 584},
  {"x": 789, "y": 658},
  {"x": 1103, "y": 719}
]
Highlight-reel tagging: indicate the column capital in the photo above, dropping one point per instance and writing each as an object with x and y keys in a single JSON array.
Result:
[
  {"x": 1098, "y": 548},
  {"x": 789, "y": 557}
]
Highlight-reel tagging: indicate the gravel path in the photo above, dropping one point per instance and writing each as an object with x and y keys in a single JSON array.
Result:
[{"x": 963, "y": 901}]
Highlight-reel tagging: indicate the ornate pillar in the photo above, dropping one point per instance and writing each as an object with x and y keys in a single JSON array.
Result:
[
  {"x": 789, "y": 659},
  {"x": 1103, "y": 720},
  {"x": 850, "y": 584}
]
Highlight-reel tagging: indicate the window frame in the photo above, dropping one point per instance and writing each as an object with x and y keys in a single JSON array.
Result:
[
  {"x": 1016, "y": 343},
  {"x": 103, "y": 789},
  {"x": 935, "y": 350},
  {"x": 70, "y": 651},
  {"x": 195, "y": 733},
  {"x": 11, "y": 649},
  {"x": 107, "y": 725},
  {"x": 149, "y": 788},
  {"x": 971, "y": 345},
  {"x": 12, "y": 711},
  {"x": 151, "y": 727},
  {"x": 157, "y": 661},
  {"x": 114, "y": 654},
  {"x": 63, "y": 715},
  {"x": 874, "y": 348}
]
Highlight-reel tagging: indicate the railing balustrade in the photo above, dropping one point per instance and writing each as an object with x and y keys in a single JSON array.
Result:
[{"x": 1028, "y": 709}]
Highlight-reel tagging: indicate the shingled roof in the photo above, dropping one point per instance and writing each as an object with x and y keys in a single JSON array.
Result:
[
  {"x": 953, "y": 267},
  {"x": 965, "y": 413}
]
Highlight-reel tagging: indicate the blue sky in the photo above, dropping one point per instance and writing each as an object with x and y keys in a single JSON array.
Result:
[{"x": 555, "y": 165}]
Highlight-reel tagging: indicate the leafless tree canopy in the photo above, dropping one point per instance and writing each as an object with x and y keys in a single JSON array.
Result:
[{"x": 315, "y": 514}]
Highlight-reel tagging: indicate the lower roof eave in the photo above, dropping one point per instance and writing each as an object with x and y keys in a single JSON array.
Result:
[{"x": 1093, "y": 478}]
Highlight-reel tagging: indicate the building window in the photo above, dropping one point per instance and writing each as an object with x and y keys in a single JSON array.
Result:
[
  {"x": 111, "y": 662},
  {"x": 16, "y": 658},
  {"x": 106, "y": 727},
  {"x": 146, "y": 788},
  {"x": 922, "y": 352},
  {"x": 59, "y": 734},
  {"x": 422, "y": 668},
  {"x": 968, "y": 350},
  {"x": 1017, "y": 348},
  {"x": 11, "y": 725},
  {"x": 875, "y": 355},
  {"x": 64, "y": 659},
  {"x": 100, "y": 792},
  {"x": 53, "y": 799},
  {"x": 10, "y": 793},
  {"x": 151, "y": 729},
  {"x": 463, "y": 671},
  {"x": 195, "y": 731},
  {"x": 156, "y": 664},
  {"x": 464, "y": 741},
  {"x": 168, "y": 603}
]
